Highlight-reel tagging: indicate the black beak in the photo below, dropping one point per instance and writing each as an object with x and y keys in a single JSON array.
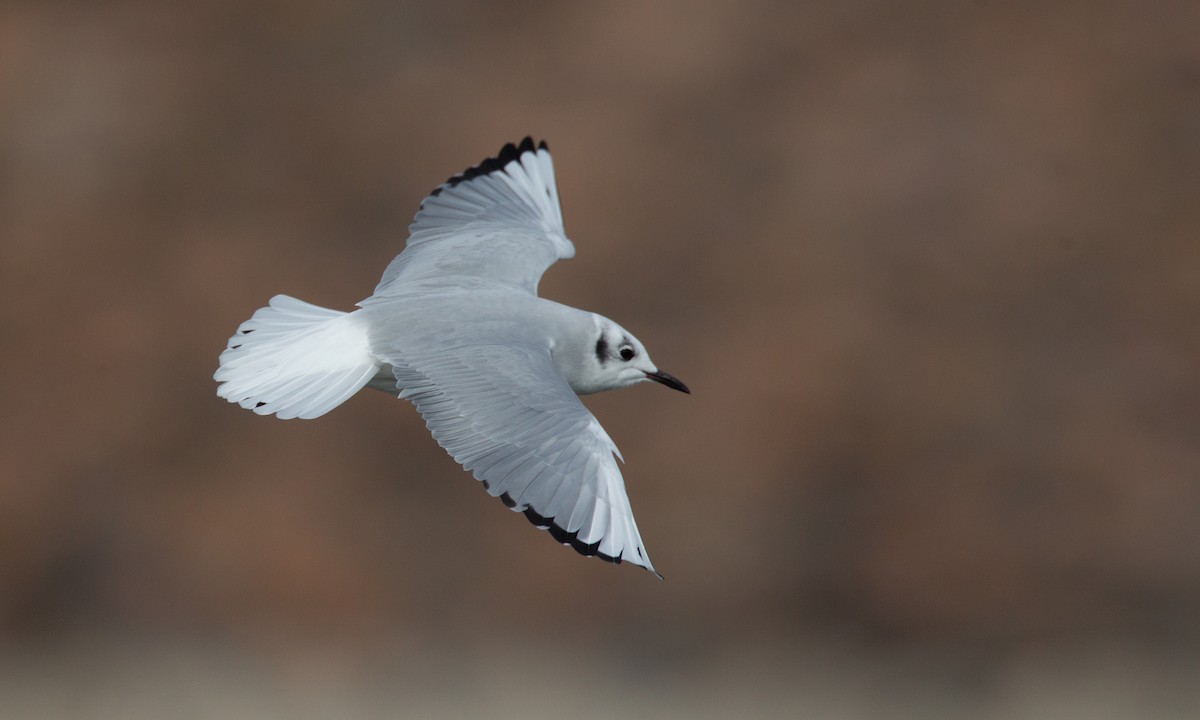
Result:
[{"x": 668, "y": 380}]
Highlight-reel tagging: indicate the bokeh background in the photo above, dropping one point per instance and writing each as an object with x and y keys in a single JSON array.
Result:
[{"x": 931, "y": 269}]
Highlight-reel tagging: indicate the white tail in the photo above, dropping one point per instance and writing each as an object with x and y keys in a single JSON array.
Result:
[{"x": 294, "y": 359}]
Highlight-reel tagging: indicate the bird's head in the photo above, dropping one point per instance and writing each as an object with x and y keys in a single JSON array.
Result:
[{"x": 615, "y": 359}]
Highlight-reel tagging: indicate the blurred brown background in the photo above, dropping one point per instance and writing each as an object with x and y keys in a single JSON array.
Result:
[{"x": 930, "y": 269}]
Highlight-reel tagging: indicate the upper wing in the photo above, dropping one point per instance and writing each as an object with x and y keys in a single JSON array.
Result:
[
  {"x": 499, "y": 220},
  {"x": 506, "y": 414}
]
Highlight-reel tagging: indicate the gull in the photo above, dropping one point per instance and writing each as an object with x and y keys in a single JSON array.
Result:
[{"x": 456, "y": 327}]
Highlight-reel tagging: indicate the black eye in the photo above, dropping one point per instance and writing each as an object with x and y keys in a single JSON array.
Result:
[{"x": 627, "y": 352}]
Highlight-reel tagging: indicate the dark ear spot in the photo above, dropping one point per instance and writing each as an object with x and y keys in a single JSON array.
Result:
[{"x": 602, "y": 350}]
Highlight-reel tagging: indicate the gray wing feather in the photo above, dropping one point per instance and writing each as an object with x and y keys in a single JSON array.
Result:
[
  {"x": 506, "y": 415},
  {"x": 499, "y": 220}
]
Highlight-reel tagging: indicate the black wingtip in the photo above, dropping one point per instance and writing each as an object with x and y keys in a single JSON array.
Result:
[
  {"x": 560, "y": 533},
  {"x": 568, "y": 538},
  {"x": 507, "y": 154}
]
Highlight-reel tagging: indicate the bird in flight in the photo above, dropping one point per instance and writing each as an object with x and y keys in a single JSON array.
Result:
[{"x": 456, "y": 327}]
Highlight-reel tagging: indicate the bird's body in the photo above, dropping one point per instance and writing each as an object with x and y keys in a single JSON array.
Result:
[
  {"x": 456, "y": 327},
  {"x": 397, "y": 325}
]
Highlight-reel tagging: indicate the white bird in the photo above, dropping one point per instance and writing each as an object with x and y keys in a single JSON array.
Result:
[{"x": 456, "y": 327}]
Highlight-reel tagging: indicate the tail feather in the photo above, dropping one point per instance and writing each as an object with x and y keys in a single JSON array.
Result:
[{"x": 293, "y": 359}]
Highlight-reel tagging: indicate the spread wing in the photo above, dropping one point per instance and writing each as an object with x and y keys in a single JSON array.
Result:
[
  {"x": 499, "y": 220},
  {"x": 507, "y": 415}
]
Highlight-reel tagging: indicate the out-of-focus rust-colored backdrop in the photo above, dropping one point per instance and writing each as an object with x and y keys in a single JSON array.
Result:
[{"x": 932, "y": 271}]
